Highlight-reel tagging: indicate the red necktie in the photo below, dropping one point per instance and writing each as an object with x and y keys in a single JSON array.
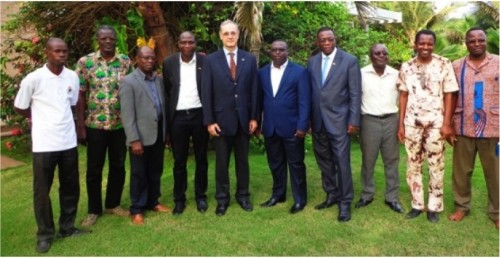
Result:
[{"x": 232, "y": 66}]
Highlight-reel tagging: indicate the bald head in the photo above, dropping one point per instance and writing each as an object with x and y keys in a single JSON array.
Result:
[{"x": 56, "y": 52}]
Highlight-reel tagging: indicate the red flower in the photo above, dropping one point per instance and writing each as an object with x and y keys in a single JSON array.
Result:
[
  {"x": 16, "y": 131},
  {"x": 9, "y": 145},
  {"x": 35, "y": 40}
]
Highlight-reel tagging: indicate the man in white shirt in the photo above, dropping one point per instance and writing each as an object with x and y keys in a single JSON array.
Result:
[
  {"x": 47, "y": 96},
  {"x": 379, "y": 125},
  {"x": 182, "y": 79}
]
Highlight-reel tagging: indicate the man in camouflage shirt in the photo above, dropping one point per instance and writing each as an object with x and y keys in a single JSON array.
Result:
[{"x": 98, "y": 123}]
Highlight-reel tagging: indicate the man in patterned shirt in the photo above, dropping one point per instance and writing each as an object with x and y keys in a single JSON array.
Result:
[
  {"x": 98, "y": 123},
  {"x": 427, "y": 86},
  {"x": 476, "y": 124}
]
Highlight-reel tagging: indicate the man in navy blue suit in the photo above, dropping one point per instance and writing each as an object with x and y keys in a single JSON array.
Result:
[
  {"x": 336, "y": 105},
  {"x": 230, "y": 110},
  {"x": 286, "y": 106}
]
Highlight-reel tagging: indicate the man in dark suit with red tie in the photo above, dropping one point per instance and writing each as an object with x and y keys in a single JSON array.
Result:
[
  {"x": 286, "y": 106},
  {"x": 230, "y": 110},
  {"x": 182, "y": 78}
]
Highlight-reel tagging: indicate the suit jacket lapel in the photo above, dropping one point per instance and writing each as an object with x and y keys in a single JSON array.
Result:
[
  {"x": 143, "y": 84},
  {"x": 199, "y": 65},
  {"x": 317, "y": 69},
  {"x": 240, "y": 63},
  {"x": 288, "y": 70},
  {"x": 337, "y": 60},
  {"x": 176, "y": 73},
  {"x": 223, "y": 63}
]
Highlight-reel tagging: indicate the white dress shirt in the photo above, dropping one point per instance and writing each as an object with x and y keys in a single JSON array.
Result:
[
  {"x": 276, "y": 75},
  {"x": 379, "y": 93},
  {"x": 189, "y": 97}
]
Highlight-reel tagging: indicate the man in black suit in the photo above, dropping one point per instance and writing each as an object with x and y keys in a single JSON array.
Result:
[
  {"x": 185, "y": 115},
  {"x": 336, "y": 106},
  {"x": 230, "y": 110}
]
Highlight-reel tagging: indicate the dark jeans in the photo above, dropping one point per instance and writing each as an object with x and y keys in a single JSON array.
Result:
[
  {"x": 145, "y": 175},
  {"x": 44, "y": 165},
  {"x": 188, "y": 125},
  {"x": 98, "y": 142}
]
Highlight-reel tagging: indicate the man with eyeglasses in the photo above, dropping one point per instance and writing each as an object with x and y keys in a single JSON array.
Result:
[
  {"x": 230, "y": 110},
  {"x": 182, "y": 77},
  {"x": 379, "y": 127},
  {"x": 285, "y": 121},
  {"x": 476, "y": 124},
  {"x": 142, "y": 99},
  {"x": 336, "y": 104}
]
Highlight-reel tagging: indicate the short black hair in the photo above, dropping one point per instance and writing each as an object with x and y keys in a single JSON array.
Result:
[
  {"x": 425, "y": 32},
  {"x": 105, "y": 27},
  {"x": 474, "y": 29},
  {"x": 280, "y": 40},
  {"x": 325, "y": 28}
]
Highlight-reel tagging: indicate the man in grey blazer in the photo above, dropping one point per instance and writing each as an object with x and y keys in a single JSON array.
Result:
[
  {"x": 336, "y": 103},
  {"x": 142, "y": 98}
]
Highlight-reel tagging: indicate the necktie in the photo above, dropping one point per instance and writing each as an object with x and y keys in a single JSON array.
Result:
[
  {"x": 232, "y": 66},
  {"x": 324, "y": 69}
]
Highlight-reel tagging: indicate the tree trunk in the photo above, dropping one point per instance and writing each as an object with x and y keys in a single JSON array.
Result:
[{"x": 155, "y": 26}]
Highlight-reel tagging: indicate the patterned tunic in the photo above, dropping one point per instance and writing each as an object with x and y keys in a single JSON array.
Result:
[
  {"x": 100, "y": 80},
  {"x": 478, "y": 111},
  {"x": 425, "y": 85}
]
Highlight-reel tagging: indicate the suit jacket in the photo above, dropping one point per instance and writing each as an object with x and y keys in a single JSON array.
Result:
[
  {"x": 227, "y": 102},
  {"x": 172, "y": 80},
  {"x": 337, "y": 103},
  {"x": 289, "y": 109},
  {"x": 138, "y": 112}
]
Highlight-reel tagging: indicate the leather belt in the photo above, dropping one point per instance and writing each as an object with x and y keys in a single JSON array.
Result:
[
  {"x": 381, "y": 116},
  {"x": 188, "y": 111}
]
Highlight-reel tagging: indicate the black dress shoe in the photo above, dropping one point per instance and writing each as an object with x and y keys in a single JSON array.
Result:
[
  {"x": 221, "y": 209},
  {"x": 43, "y": 246},
  {"x": 72, "y": 232},
  {"x": 273, "y": 201},
  {"x": 179, "y": 208},
  {"x": 395, "y": 206},
  {"x": 297, "y": 207},
  {"x": 245, "y": 205},
  {"x": 202, "y": 206},
  {"x": 362, "y": 202},
  {"x": 344, "y": 217},
  {"x": 326, "y": 204},
  {"x": 413, "y": 213},
  {"x": 432, "y": 216}
]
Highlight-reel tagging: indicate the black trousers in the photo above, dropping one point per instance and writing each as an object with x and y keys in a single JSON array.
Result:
[
  {"x": 44, "y": 165},
  {"x": 145, "y": 175},
  {"x": 98, "y": 142},
  {"x": 280, "y": 152},
  {"x": 186, "y": 125},
  {"x": 223, "y": 148}
]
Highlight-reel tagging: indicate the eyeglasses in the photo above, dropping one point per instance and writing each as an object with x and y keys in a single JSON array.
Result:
[
  {"x": 379, "y": 53},
  {"x": 227, "y": 33},
  {"x": 278, "y": 50}
]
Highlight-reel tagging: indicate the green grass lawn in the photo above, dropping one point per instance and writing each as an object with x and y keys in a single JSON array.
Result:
[{"x": 374, "y": 230}]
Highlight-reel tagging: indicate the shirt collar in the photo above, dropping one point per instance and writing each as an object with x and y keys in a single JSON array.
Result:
[
  {"x": 332, "y": 55},
  {"x": 50, "y": 73},
  {"x": 283, "y": 66},
  {"x": 143, "y": 75},
  {"x": 226, "y": 52},
  {"x": 193, "y": 60},
  {"x": 99, "y": 56}
]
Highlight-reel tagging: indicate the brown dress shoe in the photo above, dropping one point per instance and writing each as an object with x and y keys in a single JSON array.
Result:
[
  {"x": 161, "y": 208},
  {"x": 458, "y": 215},
  {"x": 137, "y": 219}
]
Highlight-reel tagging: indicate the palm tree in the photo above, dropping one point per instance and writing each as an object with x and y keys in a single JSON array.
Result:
[
  {"x": 364, "y": 9},
  {"x": 488, "y": 10},
  {"x": 249, "y": 17}
]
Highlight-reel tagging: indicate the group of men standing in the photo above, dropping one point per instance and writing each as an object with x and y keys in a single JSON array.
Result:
[{"x": 226, "y": 96}]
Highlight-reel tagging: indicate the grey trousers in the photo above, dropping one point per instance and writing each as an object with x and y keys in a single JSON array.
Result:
[{"x": 380, "y": 135}]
